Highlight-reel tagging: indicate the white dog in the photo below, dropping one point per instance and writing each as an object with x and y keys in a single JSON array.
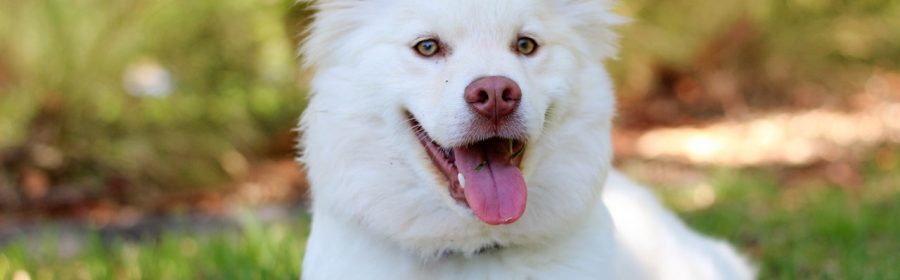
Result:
[{"x": 470, "y": 139}]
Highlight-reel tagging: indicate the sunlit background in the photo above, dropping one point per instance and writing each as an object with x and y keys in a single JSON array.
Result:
[{"x": 153, "y": 139}]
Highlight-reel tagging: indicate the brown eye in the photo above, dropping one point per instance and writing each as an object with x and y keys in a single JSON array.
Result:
[
  {"x": 428, "y": 48},
  {"x": 526, "y": 46}
]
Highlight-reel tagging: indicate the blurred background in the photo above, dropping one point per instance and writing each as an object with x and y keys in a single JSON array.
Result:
[{"x": 154, "y": 138}]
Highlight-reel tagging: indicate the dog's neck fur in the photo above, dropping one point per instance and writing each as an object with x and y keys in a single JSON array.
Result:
[{"x": 339, "y": 243}]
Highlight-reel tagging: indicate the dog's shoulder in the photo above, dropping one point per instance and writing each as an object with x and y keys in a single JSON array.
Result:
[{"x": 660, "y": 243}]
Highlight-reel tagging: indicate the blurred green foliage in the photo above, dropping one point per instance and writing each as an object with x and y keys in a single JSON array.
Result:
[
  {"x": 772, "y": 48},
  {"x": 803, "y": 32},
  {"x": 63, "y": 66},
  {"x": 234, "y": 76}
]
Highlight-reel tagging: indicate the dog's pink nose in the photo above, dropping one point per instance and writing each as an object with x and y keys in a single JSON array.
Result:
[{"x": 493, "y": 97}]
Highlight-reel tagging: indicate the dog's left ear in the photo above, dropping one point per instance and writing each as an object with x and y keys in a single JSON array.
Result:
[
  {"x": 595, "y": 20},
  {"x": 333, "y": 19}
]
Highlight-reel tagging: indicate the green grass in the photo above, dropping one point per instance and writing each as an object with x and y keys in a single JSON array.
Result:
[
  {"x": 255, "y": 251},
  {"x": 805, "y": 231},
  {"x": 797, "y": 232}
]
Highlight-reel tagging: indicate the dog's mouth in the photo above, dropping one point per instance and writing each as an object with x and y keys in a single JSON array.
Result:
[{"x": 484, "y": 175}]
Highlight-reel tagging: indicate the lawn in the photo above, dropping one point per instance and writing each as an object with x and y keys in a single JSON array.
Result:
[
  {"x": 797, "y": 232},
  {"x": 254, "y": 251},
  {"x": 805, "y": 231}
]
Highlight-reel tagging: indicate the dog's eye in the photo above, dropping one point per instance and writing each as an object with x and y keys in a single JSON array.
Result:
[
  {"x": 428, "y": 48},
  {"x": 526, "y": 46}
]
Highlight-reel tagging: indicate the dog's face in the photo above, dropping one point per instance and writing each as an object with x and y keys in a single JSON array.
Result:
[{"x": 455, "y": 125}]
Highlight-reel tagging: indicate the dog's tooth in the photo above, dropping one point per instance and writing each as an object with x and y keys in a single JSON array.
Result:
[{"x": 462, "y": 180}]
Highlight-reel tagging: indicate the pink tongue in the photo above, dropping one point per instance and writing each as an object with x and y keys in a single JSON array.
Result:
[{"x": 494, "y": 187}]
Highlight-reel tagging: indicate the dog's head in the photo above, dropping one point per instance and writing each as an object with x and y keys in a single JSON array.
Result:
[{"x": 455, "y": 125}]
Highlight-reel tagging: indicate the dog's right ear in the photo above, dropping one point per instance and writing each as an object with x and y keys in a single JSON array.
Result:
[
  {"x": 332, "y": 20},
  {"x": 595, "y": 20}
]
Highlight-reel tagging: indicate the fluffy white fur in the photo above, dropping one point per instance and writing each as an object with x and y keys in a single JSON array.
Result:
[{"x": 382, "y": 211}]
